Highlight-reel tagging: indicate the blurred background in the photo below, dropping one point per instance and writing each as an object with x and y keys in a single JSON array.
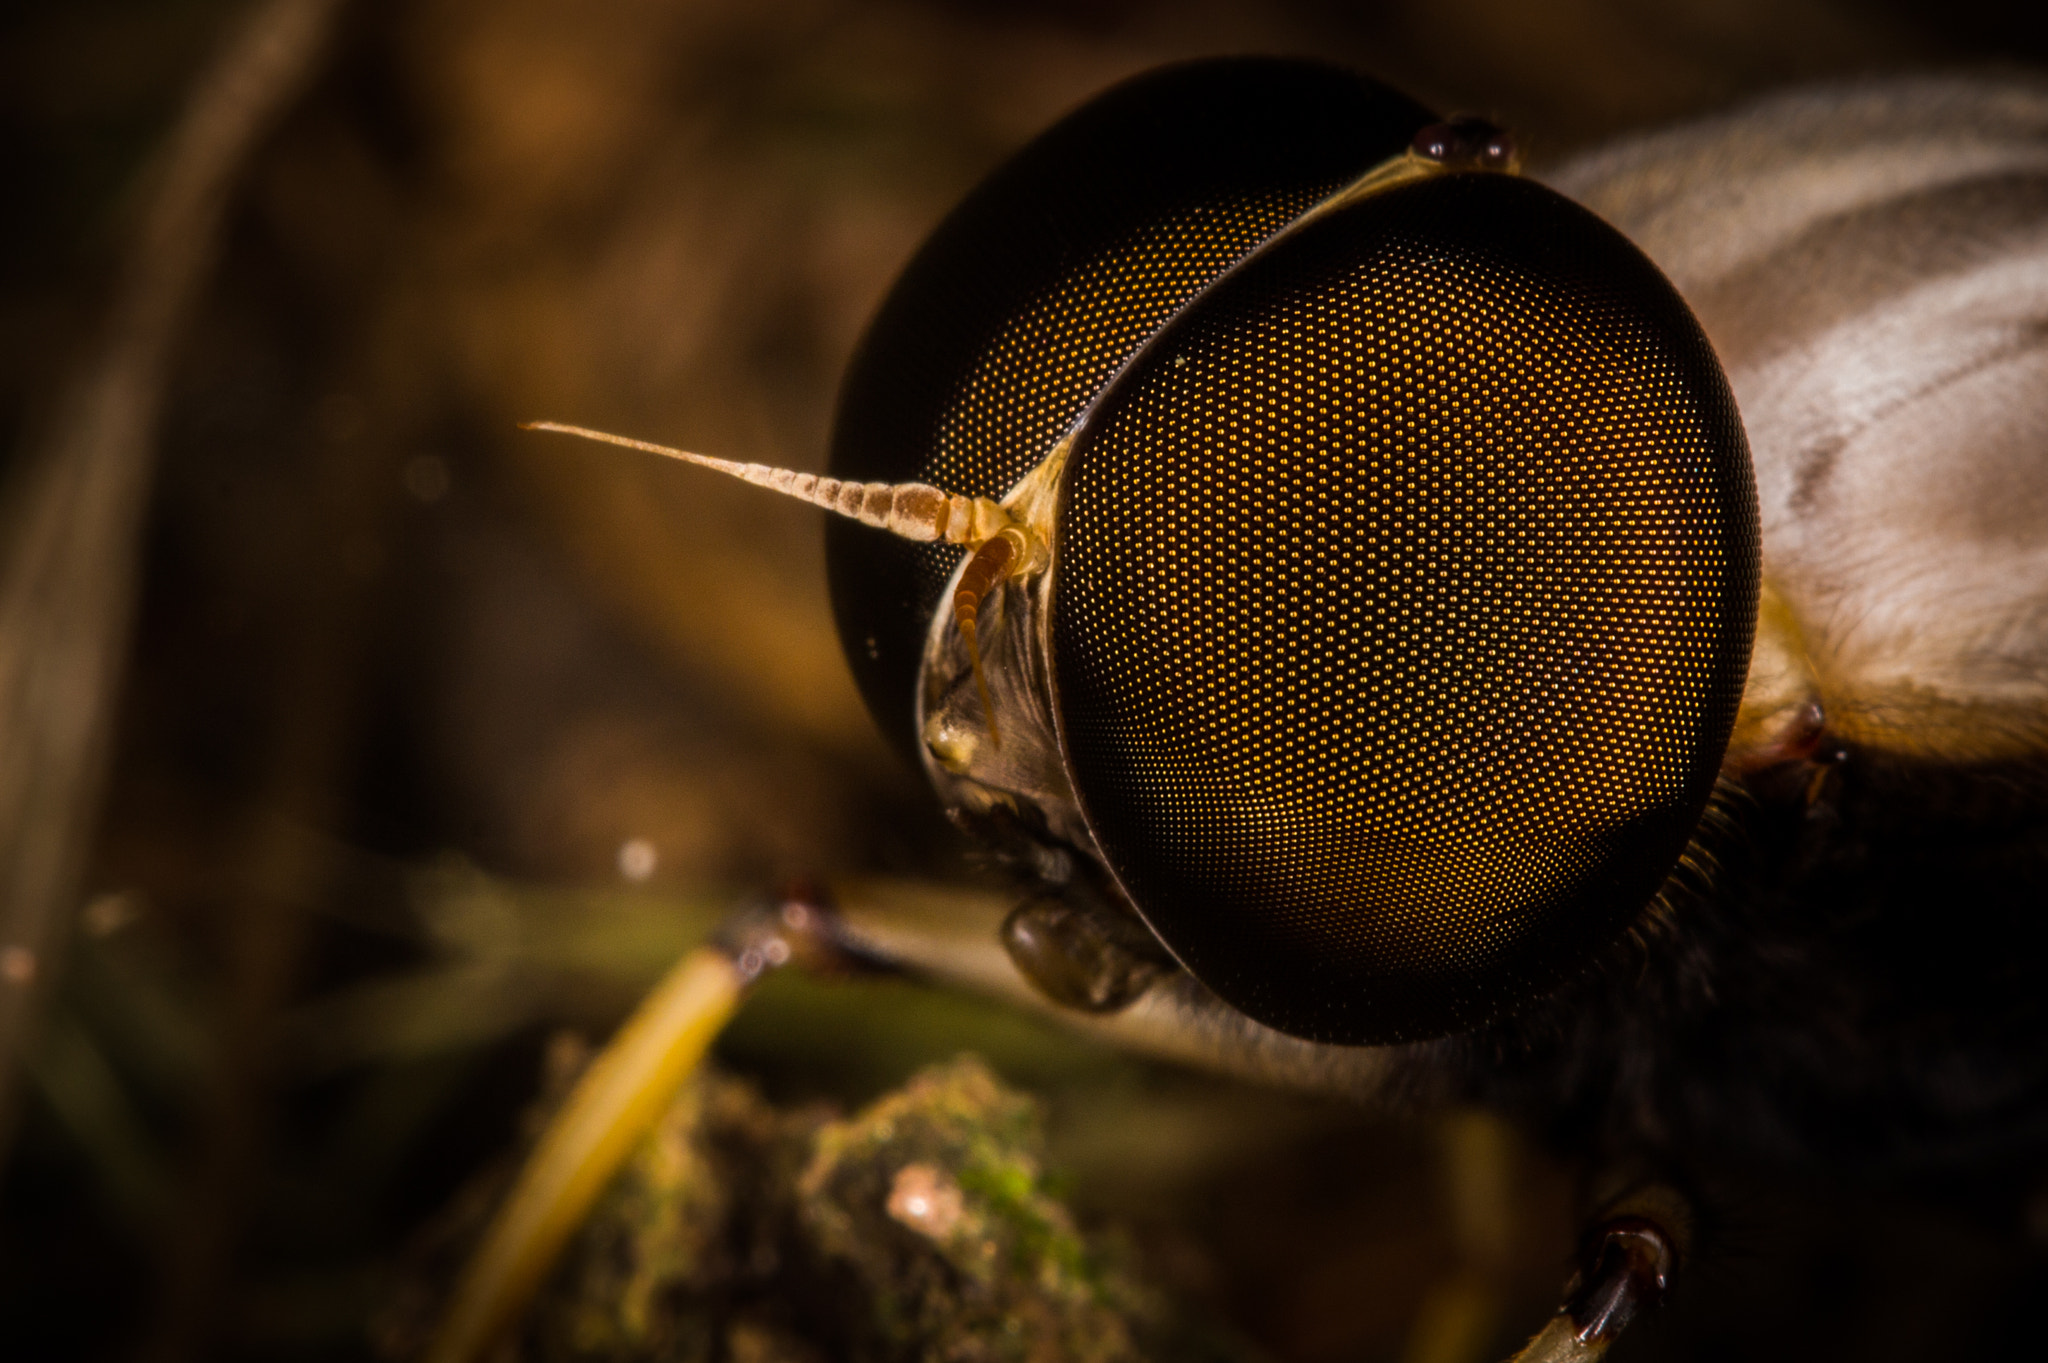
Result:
[{"x": 432, "y": 738}]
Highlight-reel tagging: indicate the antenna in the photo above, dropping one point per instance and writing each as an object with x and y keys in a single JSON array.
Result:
[
  {"x": 913, "y": 511},
  {"x": 1000, "y": 547}
]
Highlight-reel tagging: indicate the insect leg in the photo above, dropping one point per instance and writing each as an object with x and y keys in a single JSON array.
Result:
[
  {"x": 617, "y": 1102},
  {"x": 1628, "y": 1260}
]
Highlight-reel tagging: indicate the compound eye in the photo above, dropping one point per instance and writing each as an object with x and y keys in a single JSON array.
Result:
[
  {"x": 1401, "y": 606},
  {"x": 1038, "y": 288}
]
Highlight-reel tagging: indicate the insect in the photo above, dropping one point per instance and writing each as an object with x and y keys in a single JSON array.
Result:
[{"x": 1327, "y": 567}]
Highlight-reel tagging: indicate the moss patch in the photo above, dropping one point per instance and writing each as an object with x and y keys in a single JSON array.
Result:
[{"x": 922, "y": 1228}]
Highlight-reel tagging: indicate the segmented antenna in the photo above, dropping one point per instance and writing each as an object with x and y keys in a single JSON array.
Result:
[
  {"x": 990, "y": 564},
  {"x": 914, "y": 511}
]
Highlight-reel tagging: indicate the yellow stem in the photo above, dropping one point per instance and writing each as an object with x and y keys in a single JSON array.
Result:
[{"x": 612, "y": 1107}]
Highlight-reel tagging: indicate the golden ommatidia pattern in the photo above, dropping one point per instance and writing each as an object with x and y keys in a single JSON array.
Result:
[
  {"x": 1402, "y": 599},
  {"x": 1038, "y": 288}
]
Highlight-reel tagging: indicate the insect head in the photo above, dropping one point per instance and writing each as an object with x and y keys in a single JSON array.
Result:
[{"x": 1312, "y": 540}]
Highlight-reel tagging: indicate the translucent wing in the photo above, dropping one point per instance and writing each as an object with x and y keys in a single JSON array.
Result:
[{"x": 1872, "y": 265}]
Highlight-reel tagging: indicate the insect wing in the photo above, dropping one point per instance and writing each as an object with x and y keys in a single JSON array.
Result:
[
  {"x": 1402, "y": 599},
  {"x": 1043, "y": 282}
]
